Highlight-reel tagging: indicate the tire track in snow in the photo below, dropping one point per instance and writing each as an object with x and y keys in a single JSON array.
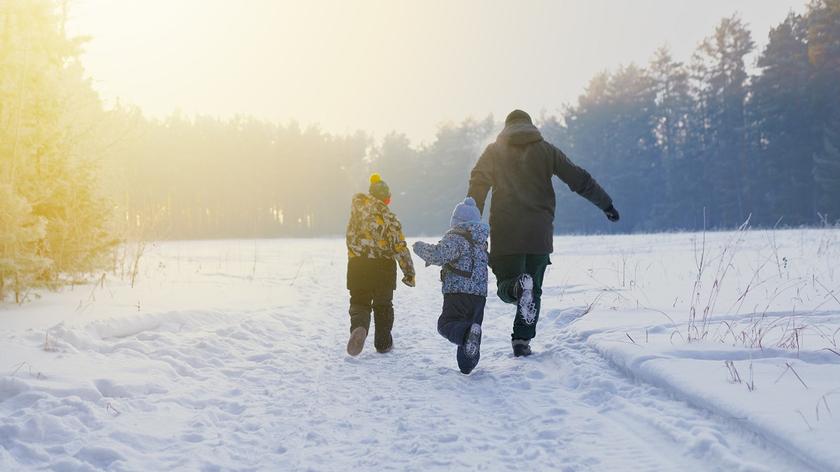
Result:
[{"x": 655, "y": 415}]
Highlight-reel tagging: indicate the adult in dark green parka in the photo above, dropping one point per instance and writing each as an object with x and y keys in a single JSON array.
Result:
[{"x": 518, "y": 167}]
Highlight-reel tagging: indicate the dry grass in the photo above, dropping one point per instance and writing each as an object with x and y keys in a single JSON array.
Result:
[
  {"x": 704, "y": 301},
  {"x": 32, "y": 372}
]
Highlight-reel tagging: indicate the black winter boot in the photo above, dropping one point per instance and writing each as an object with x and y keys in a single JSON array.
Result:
[
  {"x": 521, "y": 347},
  {"x": 383, "y": 318}
]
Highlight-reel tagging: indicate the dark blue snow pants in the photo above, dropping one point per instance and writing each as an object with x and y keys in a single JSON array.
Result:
[{"x": 460, "y": 311}]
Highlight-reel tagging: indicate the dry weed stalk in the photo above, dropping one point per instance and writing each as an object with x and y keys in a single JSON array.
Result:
[
  {"x": 790, "y": 368},
  {"x": 698, "y": 327},
  {"x": 734, "y": 376}
]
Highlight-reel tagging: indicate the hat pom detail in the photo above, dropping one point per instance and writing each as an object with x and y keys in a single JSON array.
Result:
[
  {"x": 375, "y": 177},
  {"x": 465, "y": 212}
]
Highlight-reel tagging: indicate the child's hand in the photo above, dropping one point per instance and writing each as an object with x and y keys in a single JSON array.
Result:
[
  {"x": 408, "y": 280},
  {"x": 416, "y": 245}
]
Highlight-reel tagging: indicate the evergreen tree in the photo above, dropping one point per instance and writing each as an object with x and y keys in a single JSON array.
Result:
[
  {"x": 403, "y": 169},
  {"x": 827, "y": 171},
  {"x": 824, "y": 53},
  {"x": 675, "y": 130},
  {"x": 636, "y": 177},
  {"x": 20, "y": 264},
  {"x": 721, "y": 77},
  {"x": 57, "y": 221},
  {"x": 588, "y": 125},
  {"x": 782, "y": 112},
  {"x": 613, "y": 138}
]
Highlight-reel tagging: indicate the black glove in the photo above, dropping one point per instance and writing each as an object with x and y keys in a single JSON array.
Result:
[{"x": 612, "y": 214}]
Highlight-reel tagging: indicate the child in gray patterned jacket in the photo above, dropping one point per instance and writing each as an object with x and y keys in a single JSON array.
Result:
[{"x": 462, "y": 254}]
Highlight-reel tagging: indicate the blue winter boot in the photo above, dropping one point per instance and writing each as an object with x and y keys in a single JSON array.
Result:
[{"x": 470, "y": 352}]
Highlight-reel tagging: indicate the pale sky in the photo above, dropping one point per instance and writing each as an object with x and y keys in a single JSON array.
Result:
[{"x": 382, "y": 65}]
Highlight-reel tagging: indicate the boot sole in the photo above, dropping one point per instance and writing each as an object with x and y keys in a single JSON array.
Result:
[
  {"x": 473, "y": 343},
  {"x": 357, "y": 341},
  {"x": 527, "y": 308}
]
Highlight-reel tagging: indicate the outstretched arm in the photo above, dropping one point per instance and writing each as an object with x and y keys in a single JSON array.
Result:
[
  {"x": 447, "y": 250},
  {"x": 481, "y": 179},
  {"x": 579, "y": 181}
]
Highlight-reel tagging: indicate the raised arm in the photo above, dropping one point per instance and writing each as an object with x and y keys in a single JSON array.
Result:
[
  {"x": 579, "y": 181},
  {"x": 482, "y": 178}
]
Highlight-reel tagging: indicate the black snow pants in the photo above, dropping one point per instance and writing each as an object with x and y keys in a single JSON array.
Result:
[
  {"x": 380, "y": 300},
  {"x": 372, "y": 283}
]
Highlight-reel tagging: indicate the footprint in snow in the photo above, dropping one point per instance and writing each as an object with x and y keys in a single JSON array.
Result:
[
  {"x": 260, "y": 357},
  {"x": 551, "y": 434},
  {"x": 536, "y": 375},
  {"x": 557, "y": 412},
  {"x": 192, "y": 437},
  {"x": 522, "y": 385}
]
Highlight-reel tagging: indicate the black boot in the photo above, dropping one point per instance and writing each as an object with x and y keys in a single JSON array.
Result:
[
  {"x": 383, "y": 318},
  {"x": 521, "y": 347}
]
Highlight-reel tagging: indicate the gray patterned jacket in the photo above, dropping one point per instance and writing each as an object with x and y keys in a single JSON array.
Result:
[{"x": 456, "y": 251}]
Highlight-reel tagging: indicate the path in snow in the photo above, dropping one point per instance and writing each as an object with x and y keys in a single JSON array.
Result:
[{"x": 271, "y": 388}]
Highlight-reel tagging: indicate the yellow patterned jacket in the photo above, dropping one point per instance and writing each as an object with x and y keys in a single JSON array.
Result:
[{"x": 375, "y": 232}]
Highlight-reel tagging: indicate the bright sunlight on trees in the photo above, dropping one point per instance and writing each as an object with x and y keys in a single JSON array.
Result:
[{"x": 54, "y": 222}]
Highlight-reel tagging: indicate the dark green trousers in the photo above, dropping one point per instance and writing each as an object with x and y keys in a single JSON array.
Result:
[{"x": 507, "y": 270}]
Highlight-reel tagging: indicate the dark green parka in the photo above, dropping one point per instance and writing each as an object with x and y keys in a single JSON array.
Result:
[{"x": 518, "y": 167}]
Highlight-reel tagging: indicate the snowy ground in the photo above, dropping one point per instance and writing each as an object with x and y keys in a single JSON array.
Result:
[{"x": 230, "y": 355}]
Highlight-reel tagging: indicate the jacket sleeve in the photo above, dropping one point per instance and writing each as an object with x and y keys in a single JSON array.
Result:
[
  {"x": 579, "y": 180},
  {"x": 399, "y": 247},
  {"x": 349, "y": 236},
  {"x": 481, "y": 178},
  {"x": 447, "y": 250}
]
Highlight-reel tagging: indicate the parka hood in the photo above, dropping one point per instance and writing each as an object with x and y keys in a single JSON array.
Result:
[
  {"x": 479, "y": 231},
  {"x": 361, "y": 200},
  {"x": 519, "y": 133}
]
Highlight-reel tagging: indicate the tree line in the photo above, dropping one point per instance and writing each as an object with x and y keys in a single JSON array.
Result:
[
  {"x": 707, "y": 142},
  {"x": 703, "y": 141}
]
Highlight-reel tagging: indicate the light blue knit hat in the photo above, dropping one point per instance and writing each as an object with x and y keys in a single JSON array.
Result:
[{"x": 465, "y": 212}]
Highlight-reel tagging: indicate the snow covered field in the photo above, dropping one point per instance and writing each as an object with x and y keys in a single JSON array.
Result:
[{"x": 229, "y": 355}]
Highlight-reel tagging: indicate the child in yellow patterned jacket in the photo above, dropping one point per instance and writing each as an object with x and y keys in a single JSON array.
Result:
[{"x": 374, "y": 241}]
